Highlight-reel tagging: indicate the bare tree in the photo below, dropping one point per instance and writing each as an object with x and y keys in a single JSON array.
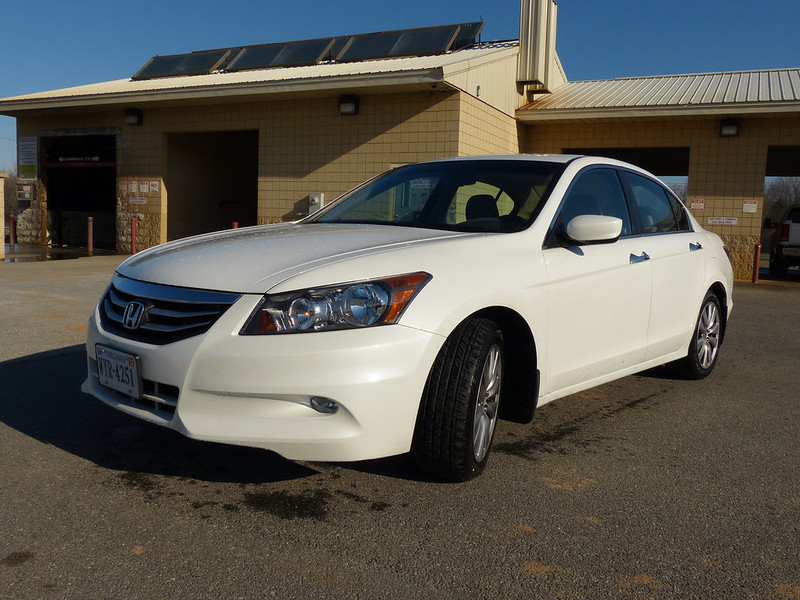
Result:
[
  {"x": 779, "y": 194},
  {"x": 679, "y": 190},
  {"x": 10, "y": 191}
]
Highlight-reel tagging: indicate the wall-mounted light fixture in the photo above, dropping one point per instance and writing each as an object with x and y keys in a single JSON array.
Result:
[
  {"x": 133, "y": 116},
  {"x": 348, "y": 104},
  {"x": 729, "y": 128}
]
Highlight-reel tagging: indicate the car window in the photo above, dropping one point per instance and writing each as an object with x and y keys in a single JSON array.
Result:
[
  {"x": 680, "y": 213},
  {"x": 491, "y": 195},
  {"x": 658, "y": 210},
  {"x": 398, "y": 203},
  {"x": 479, "y": 200},
  {"x": 595, "y": 192}
]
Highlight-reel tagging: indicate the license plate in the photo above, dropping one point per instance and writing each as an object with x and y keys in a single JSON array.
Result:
[{"x": 118, "y": 371}]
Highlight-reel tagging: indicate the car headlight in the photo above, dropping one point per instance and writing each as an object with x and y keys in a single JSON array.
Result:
[{"x": 346, "y": 306}]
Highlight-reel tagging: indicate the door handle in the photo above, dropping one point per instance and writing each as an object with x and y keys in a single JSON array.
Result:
[
  {"x": 641, "y": 258},
  {"x": 695, "y": 246}
]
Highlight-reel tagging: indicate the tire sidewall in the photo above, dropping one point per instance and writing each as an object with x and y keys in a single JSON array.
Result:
[
  {"x": 474, "y": 466},
  {"x": 694, "y": 369}
]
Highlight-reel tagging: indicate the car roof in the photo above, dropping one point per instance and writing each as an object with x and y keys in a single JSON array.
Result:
[
  {"x": 584, "y": 160},
  {"x": 554, "y": 158}
]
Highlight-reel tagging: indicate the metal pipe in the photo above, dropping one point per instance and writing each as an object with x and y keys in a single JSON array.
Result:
[
  {"x": 756, "y": 263},
  {"x": 11, "y": 226},
  {"x": 133, "y": 235},
  {"x": 89, "y": 235}
]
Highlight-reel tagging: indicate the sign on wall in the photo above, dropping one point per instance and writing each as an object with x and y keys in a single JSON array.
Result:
[
  {"x": 723, "y": 220},
  {"x": 28, "y": 157}
]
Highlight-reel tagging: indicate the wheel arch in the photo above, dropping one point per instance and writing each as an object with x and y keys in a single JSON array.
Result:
[
  {"x": 521, "y": 377},
  {"x": 722, "y": 295}
]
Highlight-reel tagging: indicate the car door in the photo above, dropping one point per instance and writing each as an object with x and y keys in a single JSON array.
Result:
[
  {"x": 677, "y": 259},
  {"x": 598, "y": 294}
]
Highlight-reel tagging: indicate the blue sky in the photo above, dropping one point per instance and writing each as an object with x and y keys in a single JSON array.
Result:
[{"x": 50, "y": 44}]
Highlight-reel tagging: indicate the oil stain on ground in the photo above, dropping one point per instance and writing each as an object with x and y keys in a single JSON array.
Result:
[
  {"x": 311, "y": 504},
  {"x": 565, "y": 436},
  {"x": 16, "y": 559}
]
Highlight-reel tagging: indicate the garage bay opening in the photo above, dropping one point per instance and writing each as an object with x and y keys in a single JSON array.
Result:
[
  {"x": 79, "y": 172},
  {"x": 212, "y": 181}
]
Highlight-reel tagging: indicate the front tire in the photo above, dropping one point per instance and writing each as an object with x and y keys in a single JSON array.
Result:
[
  {"x": 706, "y": 340},
  {"x": 460, "y": 403}
]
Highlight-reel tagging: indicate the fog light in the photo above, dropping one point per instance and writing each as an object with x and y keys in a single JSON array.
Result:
[{"x": 324, "y": 405}]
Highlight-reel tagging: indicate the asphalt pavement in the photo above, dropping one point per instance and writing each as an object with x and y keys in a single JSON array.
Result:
[{"x": 648, "y": 487}]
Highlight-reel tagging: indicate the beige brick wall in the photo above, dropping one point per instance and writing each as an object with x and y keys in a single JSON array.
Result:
[
  {"x": 724, "y": 172},
  {"x": 305, "y": 146},
  {"x": 486, "y": 130}
]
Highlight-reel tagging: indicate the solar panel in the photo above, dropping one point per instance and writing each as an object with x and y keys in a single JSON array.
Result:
[
  {"x": 467, "y": 34},
  {"x": 387, "y": 44},
  {"x": 194, "y": 63},
  {"x": 306, "y": 52},
  {"x": 407, "y": 42}
]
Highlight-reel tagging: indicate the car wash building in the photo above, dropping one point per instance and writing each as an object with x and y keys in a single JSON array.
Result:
[{"x": 250, "y": 135}]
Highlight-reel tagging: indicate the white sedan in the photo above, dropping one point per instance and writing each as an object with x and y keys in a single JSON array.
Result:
[{"x": 413, "y": 311}]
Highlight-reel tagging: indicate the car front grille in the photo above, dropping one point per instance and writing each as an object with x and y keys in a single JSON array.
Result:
[{"x": 170, "y": 313}]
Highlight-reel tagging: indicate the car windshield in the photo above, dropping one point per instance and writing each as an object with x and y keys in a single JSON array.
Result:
[{"x": 466, "y": 195}]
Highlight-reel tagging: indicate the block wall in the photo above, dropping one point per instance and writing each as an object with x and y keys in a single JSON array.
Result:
[
  {"x": 726, "y": 174},
  {"x": 305, "y": 146}
]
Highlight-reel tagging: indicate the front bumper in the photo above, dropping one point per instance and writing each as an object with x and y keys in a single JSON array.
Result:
[{"x": 256, "y": 390}]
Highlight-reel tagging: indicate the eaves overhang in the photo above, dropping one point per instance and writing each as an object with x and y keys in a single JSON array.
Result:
[
  {"x": 532, "y": 115},
  {"x": 230, "y": 92}
]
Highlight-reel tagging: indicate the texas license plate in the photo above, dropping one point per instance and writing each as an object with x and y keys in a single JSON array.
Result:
[{"x": 118, "y": 371}]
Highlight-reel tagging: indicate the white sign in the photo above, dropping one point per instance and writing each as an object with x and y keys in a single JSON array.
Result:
[
  {"x": 698, "y": 204},
  {"x": 750, "y": 206},
  {"x": 137, "y": 200},
  {"x": 722, "y": 220}
]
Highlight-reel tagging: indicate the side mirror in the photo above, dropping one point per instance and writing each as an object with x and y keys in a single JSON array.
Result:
[{"x": 594, "y": 229}]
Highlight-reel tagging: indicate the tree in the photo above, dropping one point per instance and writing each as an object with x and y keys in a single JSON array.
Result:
[
  {"x": 10, "y": 190},
  {"x": 779, "y": 194}
]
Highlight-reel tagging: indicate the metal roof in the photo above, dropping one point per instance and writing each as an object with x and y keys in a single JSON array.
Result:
[
  {"x": 735, "y": 92},
  {"x": 325, "y": 76}
]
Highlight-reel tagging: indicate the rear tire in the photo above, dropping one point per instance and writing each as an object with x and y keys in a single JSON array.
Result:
[
  {"x": 460, "y": 403},
  {"x": 706, "y": 340}
]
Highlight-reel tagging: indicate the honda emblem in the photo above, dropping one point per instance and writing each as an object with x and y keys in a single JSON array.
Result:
[{"x": 133, "y": 315}]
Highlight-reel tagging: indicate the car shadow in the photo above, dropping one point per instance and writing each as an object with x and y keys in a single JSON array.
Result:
[{"x": 40, "y": 397}]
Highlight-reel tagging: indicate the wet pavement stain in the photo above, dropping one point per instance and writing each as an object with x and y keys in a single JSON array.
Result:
[
  {"x": 16, "y": 559},
  {"x": 560, "y": 439},
  {"x": 143, "y": 483},
  {"x": 284, "y": 505}
]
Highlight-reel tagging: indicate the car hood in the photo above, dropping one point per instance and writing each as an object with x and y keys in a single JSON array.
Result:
[{"x": 255, "y": 259}]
